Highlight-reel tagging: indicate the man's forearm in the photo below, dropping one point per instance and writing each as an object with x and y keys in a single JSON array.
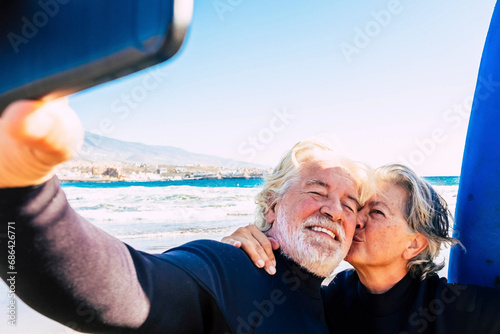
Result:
[{"x": 65, "y": 267}]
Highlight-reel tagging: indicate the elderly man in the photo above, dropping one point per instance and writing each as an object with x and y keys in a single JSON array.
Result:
[{"x": 78, "y": 275}]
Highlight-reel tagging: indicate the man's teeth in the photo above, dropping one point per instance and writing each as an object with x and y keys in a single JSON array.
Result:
[{"x": 324, "y": 230}]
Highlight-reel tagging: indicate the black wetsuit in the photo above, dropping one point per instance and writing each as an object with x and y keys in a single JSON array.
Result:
[
  {"x": 78, "y": 275},
  {"x": 411, "y": 306}
]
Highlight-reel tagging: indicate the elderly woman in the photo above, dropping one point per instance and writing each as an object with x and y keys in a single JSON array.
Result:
[{"x": 395, "y": 287}]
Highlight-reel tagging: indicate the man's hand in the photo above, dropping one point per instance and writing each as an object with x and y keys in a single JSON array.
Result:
[
  {"x": 257, "y": 246},
  {"x": 34, "y": 138}
]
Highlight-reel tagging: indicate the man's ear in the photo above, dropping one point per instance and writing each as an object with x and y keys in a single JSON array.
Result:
[
  {"x": 272, "y": 212},
  {"x": 417, "y": 244}
]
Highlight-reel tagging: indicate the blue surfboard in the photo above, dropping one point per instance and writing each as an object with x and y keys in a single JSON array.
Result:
[{"x": 477, "y": 214}]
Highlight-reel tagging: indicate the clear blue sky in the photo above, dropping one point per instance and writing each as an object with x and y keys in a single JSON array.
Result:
[{"x": 388, "y": 81}]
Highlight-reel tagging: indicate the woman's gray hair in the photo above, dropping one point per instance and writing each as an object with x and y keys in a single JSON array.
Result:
[
  {"x": 287, "y": 171},
  {"x": 426, "y": 212}
]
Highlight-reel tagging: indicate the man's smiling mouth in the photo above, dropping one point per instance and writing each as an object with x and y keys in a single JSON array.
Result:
[{"x": 323, "y": 230}]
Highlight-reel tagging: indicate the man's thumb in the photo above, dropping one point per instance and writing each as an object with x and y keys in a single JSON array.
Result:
[{"x": 52, "y": 129}]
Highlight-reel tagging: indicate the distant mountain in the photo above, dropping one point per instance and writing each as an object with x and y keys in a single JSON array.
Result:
[{"x": 104, "y": 149}]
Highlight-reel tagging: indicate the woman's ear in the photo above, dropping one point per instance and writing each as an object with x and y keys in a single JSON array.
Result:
[{"x": 417, "y": 244}]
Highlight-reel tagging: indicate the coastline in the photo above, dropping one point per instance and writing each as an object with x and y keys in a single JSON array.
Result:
[
  {"x": 110, "y": 180},
  {"x": 434, "y": 180}
]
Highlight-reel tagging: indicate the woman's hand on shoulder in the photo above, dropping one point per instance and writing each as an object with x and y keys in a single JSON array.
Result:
[{"x": 257, "y": 245}]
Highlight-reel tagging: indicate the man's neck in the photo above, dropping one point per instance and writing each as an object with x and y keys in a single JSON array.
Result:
[{"x": 380, "y": 280}]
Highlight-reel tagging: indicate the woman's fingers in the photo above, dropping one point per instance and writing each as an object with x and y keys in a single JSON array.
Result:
[
  {"x": 247, "y": 245},
  {"x": 264, "y": 246},
  {"x": 274, "y": 243},
  {"x": 257, "y": 246},
  {"x": 231, "y": 241}
]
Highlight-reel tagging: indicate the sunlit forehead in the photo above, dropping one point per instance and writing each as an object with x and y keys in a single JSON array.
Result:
[
  {"x": 332, "y": 177},
  {"x": 326, "y": 174},
  {"x": 316, "y": 182}
]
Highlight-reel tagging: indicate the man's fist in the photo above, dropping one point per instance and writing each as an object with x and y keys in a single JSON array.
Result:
[{"x": 34, "y": 138}]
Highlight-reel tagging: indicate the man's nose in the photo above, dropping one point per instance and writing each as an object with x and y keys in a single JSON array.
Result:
[{"x": 333, "y": 210}]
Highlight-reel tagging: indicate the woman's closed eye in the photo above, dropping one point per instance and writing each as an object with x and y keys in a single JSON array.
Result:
[{"x": 377, "y": 212}]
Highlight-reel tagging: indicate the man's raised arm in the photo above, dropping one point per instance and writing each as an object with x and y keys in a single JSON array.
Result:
[{"x": 62, "y": 265}]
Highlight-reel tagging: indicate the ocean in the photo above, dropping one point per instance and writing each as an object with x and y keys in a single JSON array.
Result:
[{"x": 155, "y": 216}]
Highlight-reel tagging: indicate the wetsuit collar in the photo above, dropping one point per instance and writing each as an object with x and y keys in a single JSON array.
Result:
[
  {"x": 390, "y": 301},
  {"x": 297, "y": 277}
]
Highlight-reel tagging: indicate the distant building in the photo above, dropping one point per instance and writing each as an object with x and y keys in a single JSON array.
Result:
[
  {"x": 179, "y": 170},
  {"x": 95, "y": 171}
]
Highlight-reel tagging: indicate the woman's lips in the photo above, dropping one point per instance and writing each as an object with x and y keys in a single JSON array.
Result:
[{"x": 357, "y": 238}]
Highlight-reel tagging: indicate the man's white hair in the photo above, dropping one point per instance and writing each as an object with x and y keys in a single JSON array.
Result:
[{"x": 287, "y": 171}]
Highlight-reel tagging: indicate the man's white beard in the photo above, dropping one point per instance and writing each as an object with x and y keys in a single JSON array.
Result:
[{"x": 313, "y": 252}]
